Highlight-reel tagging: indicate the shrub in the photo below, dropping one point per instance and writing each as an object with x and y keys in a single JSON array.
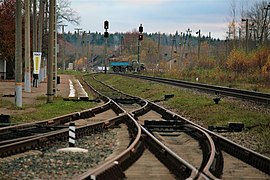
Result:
[{"x": 237, "y": 61}]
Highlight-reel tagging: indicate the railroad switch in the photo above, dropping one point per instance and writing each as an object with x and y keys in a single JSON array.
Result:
[
  {"x": 164, "y": 126},
  {"x": 232, "y": 127},
  {"x": 217, "y": 98},
  {"x": 166, "y": 97}
]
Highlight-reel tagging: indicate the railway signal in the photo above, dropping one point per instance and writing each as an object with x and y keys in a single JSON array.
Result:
[
  {"x": 140, "y": 37},
  {"x": 106, "y": 35},
  {"x": 139, "y": 43},
  {"x": 106, "y": 25},
  {"x": 141, "y": 28}
]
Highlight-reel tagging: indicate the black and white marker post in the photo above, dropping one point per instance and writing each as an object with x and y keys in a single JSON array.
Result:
[
  {"x": 71, "y": 134},
  {"x": 71, "y": 140}
]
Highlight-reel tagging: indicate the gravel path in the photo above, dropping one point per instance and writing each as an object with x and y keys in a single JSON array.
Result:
[{"x": 49, "y": 164}]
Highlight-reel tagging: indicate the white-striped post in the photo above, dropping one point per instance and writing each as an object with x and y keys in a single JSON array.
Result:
[{"x": 71, "y": 134}]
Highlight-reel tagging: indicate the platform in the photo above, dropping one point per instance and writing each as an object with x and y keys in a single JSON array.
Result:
[{"x": 36, "y": 96}]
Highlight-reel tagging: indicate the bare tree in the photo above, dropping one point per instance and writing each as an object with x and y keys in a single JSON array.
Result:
[
  {"x": 66, "y": 13},
  {"x": 233, "y": 22},
  {"x": 256, "y": 14}
]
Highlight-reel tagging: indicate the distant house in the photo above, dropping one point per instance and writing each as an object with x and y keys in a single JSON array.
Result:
[{"x": 3, "y": 69}]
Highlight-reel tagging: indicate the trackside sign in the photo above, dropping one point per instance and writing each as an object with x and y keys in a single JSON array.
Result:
[{"x": 37, "y": 61}]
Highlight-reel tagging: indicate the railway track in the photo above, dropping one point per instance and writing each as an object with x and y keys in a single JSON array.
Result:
[
  {"x": 220, "y": 90},
  {"x": 155, "y": 151},
  {"x": 226, "y": 149},
  {"x": 147, "y": 156},
  {"x": 234, "y": 155}
]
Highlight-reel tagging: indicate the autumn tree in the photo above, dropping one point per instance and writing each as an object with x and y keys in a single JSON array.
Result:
[
  {"x": 130, "y": 42},
  {"x": 7, "y": 33}
]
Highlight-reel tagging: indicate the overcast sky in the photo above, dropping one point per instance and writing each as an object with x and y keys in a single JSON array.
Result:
[{"x": 165, "y": 16}]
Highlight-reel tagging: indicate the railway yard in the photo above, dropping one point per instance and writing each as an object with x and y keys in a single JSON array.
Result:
[
  {"x": 135, "y": 90},
  {"x": 137, "y": 133}
]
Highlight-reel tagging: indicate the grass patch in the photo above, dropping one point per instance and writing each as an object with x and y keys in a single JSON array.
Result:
[
  {"x": 6, "y": 104},
  {"x": 71, "y": 72},
  {"x": 197, "y": 106},
  {"x": 49, "y": 110},
  {"x": 218, "y": 77}
]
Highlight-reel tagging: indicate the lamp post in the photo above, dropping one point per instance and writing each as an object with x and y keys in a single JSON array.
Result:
[
  {"x": 106, "y": 35},
  {"x": 246, "y": 20},
  {"x": 140, "y": 38}
]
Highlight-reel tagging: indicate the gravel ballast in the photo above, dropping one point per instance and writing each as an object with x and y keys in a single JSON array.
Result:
[{"x": 50, "y": 164}]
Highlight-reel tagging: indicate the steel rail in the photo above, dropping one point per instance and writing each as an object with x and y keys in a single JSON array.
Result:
[
  {"x": 221, "y": 90},
  {"x": 170, "y": 156},
  {"x": 257, "y": 160},
  {"x": 248, "y": 156},
  {"x": 212, "y": 159},
  {"x": 176, "y": 164},
  {"x": 59, "y": 135},
  {"x": 114, "y": 168},
  {"x": 60, "y": 120}
]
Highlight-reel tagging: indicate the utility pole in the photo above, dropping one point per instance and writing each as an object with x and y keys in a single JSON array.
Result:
[
  {"x": 226, "y": 47},
  {"x": 78, "y": 36},
  {"x": 246, "y": 20},
  {"x": 264, "y": 22},
  {"x": 46, "y": 32},
  {"x": 40, "y": 35},
  {"x": 188, "y": 38},
  {"x": 35, "y": 28},
  {"x": 63, "y": 47},
  {"x": 180, "y": 48},
  {"x": 27, "y": 55},
  {"x": 88, "y": 40},
  {"x": 105, "y": 58},
  {"x": 158, "y": 47},
  {"x": 240, "y": 38},
  {"x": 34, "y": 25},
  {"x": 82, "y": 48},
  {"x": 252, "y": 39},
  {"x": 92, "y": 53},
  {"x": 209, "y": 44},
  {"x": 18, "y": 55},
  {"x": 173, "y": 45},
  {"x": 51, "y": 51},
  {"x": 184, "y": 38},
  {"x": 199, "y": 43},
  {"x": 55, "y": 52},
  {"x": 172, "y": 51}
]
